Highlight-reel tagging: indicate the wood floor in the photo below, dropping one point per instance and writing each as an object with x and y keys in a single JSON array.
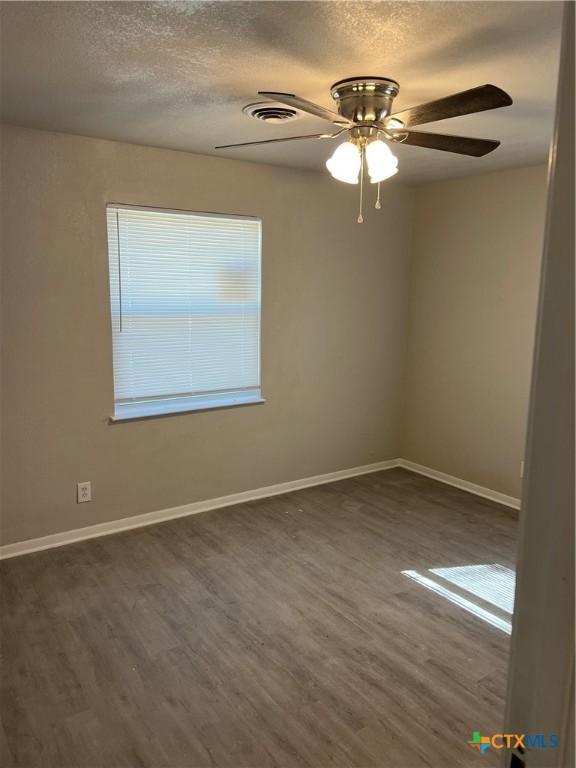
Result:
[{"x": 275, "y": 633}]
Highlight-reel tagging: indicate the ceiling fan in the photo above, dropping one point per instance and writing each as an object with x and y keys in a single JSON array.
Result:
[{"x": 364, "y": 113}]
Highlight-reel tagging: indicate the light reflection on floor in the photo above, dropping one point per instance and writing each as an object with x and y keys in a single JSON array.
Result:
[{"x": 492, "y": 585}]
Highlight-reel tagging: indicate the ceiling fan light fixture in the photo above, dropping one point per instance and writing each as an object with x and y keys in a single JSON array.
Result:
[
  {"x": 364, "y": 110},
  {"x": 382, "y": 164},
  {"x": 345, "y": 163},
  {"x": 382, "y": 177}
]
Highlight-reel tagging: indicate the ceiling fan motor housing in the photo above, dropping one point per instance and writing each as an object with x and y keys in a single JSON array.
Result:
[{"x": 365, "y": 100}]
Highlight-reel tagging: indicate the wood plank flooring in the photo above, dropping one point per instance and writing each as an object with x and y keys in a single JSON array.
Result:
[{"x": 276, "y": 633}]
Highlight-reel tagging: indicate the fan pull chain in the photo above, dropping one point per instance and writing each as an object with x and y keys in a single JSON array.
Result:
[
  {"x": 378, "y": 206},
  {"x": 360, "y": 219}
]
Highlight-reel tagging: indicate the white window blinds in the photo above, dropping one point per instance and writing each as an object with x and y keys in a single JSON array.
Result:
[{"x": 185, "y": 303}]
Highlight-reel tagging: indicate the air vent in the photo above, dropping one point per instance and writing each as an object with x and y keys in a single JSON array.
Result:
[{"x": 270, "y": 112}]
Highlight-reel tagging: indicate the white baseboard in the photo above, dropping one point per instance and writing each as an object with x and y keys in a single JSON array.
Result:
[
  {"x": 464, "y": 485},
  {"x": 149, "y": 518}
]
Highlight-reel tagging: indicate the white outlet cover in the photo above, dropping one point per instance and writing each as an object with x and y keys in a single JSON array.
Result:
[{"x": 84, "y": 492}]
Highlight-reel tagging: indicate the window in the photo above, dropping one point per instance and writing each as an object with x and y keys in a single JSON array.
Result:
[{"x": 185, "y": 303}]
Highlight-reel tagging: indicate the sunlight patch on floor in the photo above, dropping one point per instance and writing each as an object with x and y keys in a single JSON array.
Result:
[{"x": 492, "y": 584}]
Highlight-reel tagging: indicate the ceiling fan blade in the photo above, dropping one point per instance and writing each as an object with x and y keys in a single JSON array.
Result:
[
  {"x": 466, "y": 103},
  {"x": 306, "y": 106},
  {"x": 286, "y": 138},
  {"x": 460, "y": 145}
]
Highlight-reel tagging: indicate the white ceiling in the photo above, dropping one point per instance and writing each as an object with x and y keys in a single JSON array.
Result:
[{"x": 176, "y": 74}]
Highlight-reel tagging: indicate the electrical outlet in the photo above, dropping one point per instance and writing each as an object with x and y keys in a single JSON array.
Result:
[{"x": 84, "y": 492}]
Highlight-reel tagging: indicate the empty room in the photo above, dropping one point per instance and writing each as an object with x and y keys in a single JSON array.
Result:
[{"x": 287, "y": 384}]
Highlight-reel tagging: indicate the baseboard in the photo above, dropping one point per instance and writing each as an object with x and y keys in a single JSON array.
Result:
[
  {"x": 464, "y": 485},
  {"x": 149, "y": 518}
]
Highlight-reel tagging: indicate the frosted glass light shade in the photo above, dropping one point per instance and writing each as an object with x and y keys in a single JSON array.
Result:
[
  {"x": 344, "y": 164},
  {"x": 382, "y": 164}
]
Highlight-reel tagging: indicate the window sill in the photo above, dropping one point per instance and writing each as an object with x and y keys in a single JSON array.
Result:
[{"x": 182, "y": 405}]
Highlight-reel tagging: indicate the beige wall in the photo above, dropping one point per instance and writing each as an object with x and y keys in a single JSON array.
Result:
[
  {"x": 337, "y": 298},
  {"x": 473, "y": 293},
  {"x": 334, "y": 301}
]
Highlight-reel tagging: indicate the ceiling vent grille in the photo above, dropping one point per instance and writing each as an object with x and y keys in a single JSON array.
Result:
[{"x": 269, "y": 112}]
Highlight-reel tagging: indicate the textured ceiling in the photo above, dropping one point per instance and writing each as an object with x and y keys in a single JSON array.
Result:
[{"x": 176, "y": 74}]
